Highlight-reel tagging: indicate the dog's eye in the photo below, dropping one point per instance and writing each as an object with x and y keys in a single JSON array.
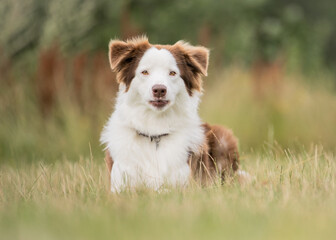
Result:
[
  {"x": 145, "y": 72},
  {"x": 172, "y": 73}
]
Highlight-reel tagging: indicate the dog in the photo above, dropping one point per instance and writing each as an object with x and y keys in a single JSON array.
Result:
[{"x": 155, "y": 136}]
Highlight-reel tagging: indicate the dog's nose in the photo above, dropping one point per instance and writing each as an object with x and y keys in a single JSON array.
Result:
[{"x": 159, "y": 90}]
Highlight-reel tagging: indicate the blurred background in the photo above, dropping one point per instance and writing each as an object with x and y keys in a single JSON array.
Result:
[{"x": 272, "y": 76}]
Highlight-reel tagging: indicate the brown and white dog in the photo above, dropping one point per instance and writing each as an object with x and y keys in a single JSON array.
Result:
[{"x": 154, "y": 136}]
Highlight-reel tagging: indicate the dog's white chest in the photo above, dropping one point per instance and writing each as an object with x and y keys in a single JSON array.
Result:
[{"x": 140, "y": 160}]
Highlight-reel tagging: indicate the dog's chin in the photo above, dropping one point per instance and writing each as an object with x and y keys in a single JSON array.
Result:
[{"x": 159, "y": 104}]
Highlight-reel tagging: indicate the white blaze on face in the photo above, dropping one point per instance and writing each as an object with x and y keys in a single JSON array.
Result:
[{"x": 157, "y": 67}]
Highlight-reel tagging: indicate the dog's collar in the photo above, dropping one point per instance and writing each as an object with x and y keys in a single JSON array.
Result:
[{"x": 155, "y": 138}]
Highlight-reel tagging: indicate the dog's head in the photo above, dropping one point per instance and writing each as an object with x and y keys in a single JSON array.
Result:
[{"x": 155, "y": 75}]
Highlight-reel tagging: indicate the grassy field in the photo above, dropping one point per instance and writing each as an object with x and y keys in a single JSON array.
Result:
[
  {"x": 271, "y": 79},
  {"x": 292, "y": 196},
  {"x": 54, "y": 185}
]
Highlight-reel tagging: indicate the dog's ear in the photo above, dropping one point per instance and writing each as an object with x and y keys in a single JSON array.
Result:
[
  {"x": 197, "y": 57},
  {"x": 125, "y": 56},
  {"x": 193, "y": 63},
  {"x": 117, "y": 51}
]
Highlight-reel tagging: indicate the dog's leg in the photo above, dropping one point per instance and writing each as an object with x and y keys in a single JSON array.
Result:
[
  {"x": 109, "y": 163},
  {"x": 118, "y": 178},
  {"x": 180, "y": 177},
  {"x": 223, "y": 149},
  {"x": 202, "y": 166}
]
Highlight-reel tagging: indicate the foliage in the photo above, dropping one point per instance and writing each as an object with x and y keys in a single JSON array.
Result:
[{"x": 300, "y": 31}]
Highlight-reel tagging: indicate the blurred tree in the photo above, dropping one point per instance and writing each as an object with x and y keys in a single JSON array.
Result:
[
  {"x": 21, "y": 24},
  {"x": 238, "y": 31}
]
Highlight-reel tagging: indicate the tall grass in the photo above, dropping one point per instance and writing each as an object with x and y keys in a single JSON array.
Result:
[{"x": 292, "y": 196}]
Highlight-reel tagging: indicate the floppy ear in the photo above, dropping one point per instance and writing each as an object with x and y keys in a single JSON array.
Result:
[
  {"x": 192, "y": 62},
  {"x": 198, "y": 57},
  {"x": 117, "y": 51},
  {"x": 125, "y": 56}
]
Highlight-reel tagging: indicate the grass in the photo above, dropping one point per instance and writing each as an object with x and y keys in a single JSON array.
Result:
[
  {"x": 54, "y": 185},
  {"x": 292, "y": 196}
]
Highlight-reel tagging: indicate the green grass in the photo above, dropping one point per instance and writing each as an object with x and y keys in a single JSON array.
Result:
[{"x": 292, "y": 196}]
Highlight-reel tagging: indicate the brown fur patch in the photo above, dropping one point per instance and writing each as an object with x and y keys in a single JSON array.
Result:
[
  {"x": 109, "y": 163},
  {"x": 125, "y": 56},
  {"x": 217, "y": 157},
  {"x": 191, "y": 61}
]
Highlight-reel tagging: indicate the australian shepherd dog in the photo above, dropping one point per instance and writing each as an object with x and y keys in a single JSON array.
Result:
[{"x": 155, "y": 136}]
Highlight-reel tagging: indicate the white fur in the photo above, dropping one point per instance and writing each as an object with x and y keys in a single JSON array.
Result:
[
  {"x": 137, "y": 161},
  {"x": 244, "y": 177}
]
